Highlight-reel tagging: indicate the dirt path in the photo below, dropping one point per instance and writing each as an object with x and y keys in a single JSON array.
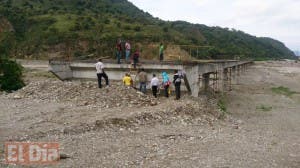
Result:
[{"x": 262, "y": 129}]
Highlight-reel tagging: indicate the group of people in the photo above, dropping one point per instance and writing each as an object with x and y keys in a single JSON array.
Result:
[
  {"x": 143, "y": 80},
  {"x": 166, "y": 83},
  {"x": 155, "y": 83},
  {"x": 128, "y": 81},
  {"x": 121, "y": 46}
]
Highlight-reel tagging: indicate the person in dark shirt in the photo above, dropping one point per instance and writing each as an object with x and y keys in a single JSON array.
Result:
[
  {"x": 119, "y": 50},
  {"x": 177, "y": 82},
  {"x": 135, "y": 58}
]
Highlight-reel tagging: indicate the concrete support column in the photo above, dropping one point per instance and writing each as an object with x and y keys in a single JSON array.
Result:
[
  {"x": 213, "y": 81},
  {"x": 234, "y": 74},
  {"x": 221, "y": 80},
  {"x": 216, "y": 81},
  {"x": 191, "y": 80},
  {"x": 239, "y": 69},
  {"x": 247, "y": 66},
  {"x": 230, "y": 79},
  {"x": 205, "y": 81},
  {"x": 195, "y": 88},
  {"x": 225, "y": 79}
]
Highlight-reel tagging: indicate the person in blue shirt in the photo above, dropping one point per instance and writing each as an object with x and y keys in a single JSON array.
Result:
[{"x": 166, "y": 83}]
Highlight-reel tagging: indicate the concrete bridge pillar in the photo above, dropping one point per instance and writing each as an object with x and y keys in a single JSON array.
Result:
[
  {"x": 225, "y": 79},
  {"x": 234, "y": 74},
  {"x": 220, "y": 80},
  {"x": 192, "y": 81},
  {"x": 230, "y": 79},
  {"x": 244, "y": 68},
  {"x": 205, "y": 81},
  {"x": 228, "y": 74},
  {"x": 215, "y": 81},
  {"x": 239, "y": 70}
]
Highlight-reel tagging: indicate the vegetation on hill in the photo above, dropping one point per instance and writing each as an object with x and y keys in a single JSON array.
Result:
[
  {"x": 10, "y": 70},
  {"x": 46, "y": 28}
]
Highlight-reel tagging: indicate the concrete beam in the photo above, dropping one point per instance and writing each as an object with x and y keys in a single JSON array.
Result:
[{"x": 61, "y": 70}]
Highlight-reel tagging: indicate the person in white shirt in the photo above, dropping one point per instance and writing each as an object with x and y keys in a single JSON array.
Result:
[
  {"x": 154, "y": 85},
  {"x": 101, "y": 73}
]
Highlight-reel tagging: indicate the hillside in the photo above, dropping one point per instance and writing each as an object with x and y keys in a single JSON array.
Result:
[{"x": 45, "y": 28}]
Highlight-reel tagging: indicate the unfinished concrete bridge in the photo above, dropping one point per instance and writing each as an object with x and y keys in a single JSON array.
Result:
[{"x": 201, "y": 76}]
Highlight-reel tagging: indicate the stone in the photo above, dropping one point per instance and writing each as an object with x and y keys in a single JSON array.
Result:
[
  {"x": 17, "y": 97},
  {"x": 63, "y": 156},
  {"x": 235, "y": 126}
]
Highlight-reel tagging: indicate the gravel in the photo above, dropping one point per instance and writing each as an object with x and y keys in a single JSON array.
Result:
[{"x": 84, "y": 94}]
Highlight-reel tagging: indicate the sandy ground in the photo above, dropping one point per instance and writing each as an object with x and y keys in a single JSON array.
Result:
[{"x": 186, "y": 133}]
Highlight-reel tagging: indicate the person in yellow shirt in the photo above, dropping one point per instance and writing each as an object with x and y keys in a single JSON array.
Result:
[{"x": 127, "y": 80}]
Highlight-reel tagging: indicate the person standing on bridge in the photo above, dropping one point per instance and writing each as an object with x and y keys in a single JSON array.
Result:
[
  {"x": 166, "y": 83},
  {"x": 161, "y": 52},
  {"x": 101, "y": 73},
  {"x": 119, "y": 50},
  {"x": 177, "y": 82},
  {"x": 127, "y": 50}
]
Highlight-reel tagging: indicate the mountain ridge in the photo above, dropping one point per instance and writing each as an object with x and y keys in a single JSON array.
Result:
[
  {"x": 297, "y": 53},
  {"x": 82, "y": 27}
]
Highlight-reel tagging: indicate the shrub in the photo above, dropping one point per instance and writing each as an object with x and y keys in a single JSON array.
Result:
[
  {"x": 283, "y": 91},
  {"x": 106, "y": 21},
  {"x": 166, "y": 29},
  {"x": 264, "y": 108},
  {"x": 10, "y": 75},
  {"x": 78, "y": 53},
  {"x": 137, "y": 28}
]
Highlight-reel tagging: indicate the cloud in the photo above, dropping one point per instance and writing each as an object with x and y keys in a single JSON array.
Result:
[
  {"x": 278, "y": 19},
  {"x": 200, "y": 3}
]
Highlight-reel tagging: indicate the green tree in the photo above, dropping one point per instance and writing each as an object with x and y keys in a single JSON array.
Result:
[{"x": 10, "y": 75}]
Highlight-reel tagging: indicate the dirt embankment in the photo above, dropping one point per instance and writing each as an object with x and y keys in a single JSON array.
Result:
[{"x": 5, "y": 25}]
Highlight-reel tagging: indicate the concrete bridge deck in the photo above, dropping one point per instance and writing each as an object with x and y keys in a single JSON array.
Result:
[{"x": 200, "y": 75}]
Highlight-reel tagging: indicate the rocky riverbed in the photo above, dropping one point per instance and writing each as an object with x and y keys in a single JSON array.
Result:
[{"x": 121, "y": 127}]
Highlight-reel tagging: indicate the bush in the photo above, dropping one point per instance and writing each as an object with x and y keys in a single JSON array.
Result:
[
  {"x": 137, "y": 28},
  {"x": 166, "y": 29},
  {"x": 283, "y": 91},
  {"x": 10, "y": 75},
  {"x": 106, "y": 21},
  {"x": 78, "y": 53}
]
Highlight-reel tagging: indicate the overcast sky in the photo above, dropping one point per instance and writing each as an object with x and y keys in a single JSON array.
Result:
[{"x": 278, "y": 19}]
